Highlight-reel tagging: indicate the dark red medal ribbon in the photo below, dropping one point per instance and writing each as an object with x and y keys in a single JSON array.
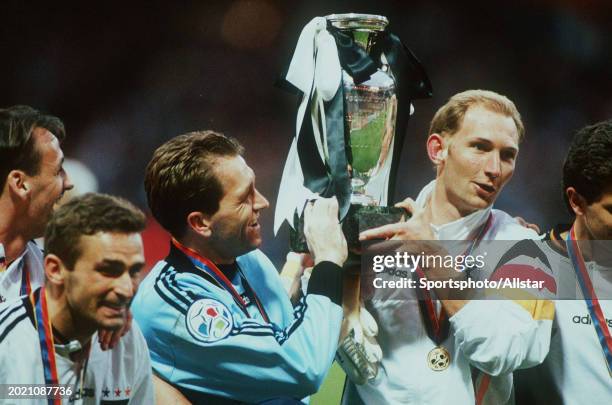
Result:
[
  {"x": 2, "y": 258},
  {"x": 437, "y": 326},
  {"x": 207, "y": 266},
  {"x": 590, "y": 297},
  {"x": 26, "y": 287},
  {"x": 45, "y": 338}
]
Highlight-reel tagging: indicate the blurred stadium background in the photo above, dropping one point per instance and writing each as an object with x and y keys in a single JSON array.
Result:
[{"x": 126, "y": 76}]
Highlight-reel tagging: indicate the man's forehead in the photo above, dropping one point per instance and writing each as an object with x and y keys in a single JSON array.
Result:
[
  {"x": 44, "y": 135},
  {"x": 112, "y": 245},
  {"x": 46, "y": 140},
  {"x": 483, "y": 122},
  {"x": 482, "y": 114},
  {"x": 234, "y": 172}
]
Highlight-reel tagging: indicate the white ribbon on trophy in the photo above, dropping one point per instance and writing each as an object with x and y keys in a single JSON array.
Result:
[{"x": 315, "y": 70}]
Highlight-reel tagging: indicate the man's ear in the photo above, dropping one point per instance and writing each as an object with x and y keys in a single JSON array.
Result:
[
  {"x": 54, "y": 270},
  {"x": 18, "y": 183},
  {"x": 437, "y": 148},
  {"x": 576, "y": 201},
  {"x": 199, "y": 223}
]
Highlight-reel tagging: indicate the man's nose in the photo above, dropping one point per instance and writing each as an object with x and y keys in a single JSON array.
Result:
[
  {"x": 493, "y": 165},
  {"x": 68, "y": 184},
  {"x": 124, "y": 286},
  {"x": 260, "y": 201}
]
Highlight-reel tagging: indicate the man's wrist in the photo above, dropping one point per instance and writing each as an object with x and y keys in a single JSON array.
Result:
[
  {"x": 337, "y": 260},
  {"x": 326, "y": 280}
]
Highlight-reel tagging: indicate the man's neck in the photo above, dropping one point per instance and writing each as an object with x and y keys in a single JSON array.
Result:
[
  {"x": 442, "y": 211},
  {"x": 581, "y": 231},
  {"x": 582, "y": 235},
  {"x": 591, "y": 250},
  {"x": 64, "y": 321},
  {"x": 207, "y": 251},
  {"x": 12, "y": 236},
  {"x": 14, "y": 246}
]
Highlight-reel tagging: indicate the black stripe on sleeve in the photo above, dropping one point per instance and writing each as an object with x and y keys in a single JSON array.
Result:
[
  {"x": 326, "y": 280},
  {"x": 8, "y": 311},
  {"x": 12, "y": 325}
]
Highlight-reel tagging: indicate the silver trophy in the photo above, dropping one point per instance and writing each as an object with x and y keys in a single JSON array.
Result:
[
  {"x": 370, "y": 110},
  {"x": 356, "y": 83}
]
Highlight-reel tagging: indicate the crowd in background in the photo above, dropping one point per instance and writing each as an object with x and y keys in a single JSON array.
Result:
[{"x": 127, "y": 77}]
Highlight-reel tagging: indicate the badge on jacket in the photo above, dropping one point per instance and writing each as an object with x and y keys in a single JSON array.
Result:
[{"x": 209, "y": 320}]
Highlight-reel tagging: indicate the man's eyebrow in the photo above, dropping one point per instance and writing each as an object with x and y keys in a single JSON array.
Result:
[
  {"x": 490, "y": 142},
  {"x": 137, "y": 266},
  {"x": 514, "y": 149},
  {"x": 246, "y": 190},
  {"x": 110, "y": 263}
]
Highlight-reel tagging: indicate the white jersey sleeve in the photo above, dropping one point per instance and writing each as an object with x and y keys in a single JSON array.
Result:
[
  {"x": 495, "y": 347},
  {"x": 143, "y": 392}
]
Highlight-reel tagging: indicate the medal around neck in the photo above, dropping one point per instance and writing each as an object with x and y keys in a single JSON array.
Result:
[
  {"x": 438, "y": 358},
  {"x": 357, "y": 82}
]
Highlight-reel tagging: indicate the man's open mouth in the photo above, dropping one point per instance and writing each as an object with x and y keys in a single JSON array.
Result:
[
  {"x": 486, "y": 187},
  {"x": 114, "y": 307}
]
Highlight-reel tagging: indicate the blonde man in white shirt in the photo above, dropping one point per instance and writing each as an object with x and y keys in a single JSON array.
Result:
[{"x": 473, "y": 142}]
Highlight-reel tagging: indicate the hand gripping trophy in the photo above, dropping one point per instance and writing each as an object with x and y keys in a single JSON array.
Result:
[{"x": 356, "y": 83}]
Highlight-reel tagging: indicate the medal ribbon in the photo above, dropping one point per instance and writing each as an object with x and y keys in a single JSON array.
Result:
[
  {"x": 213, "y": 271},
  {"x": 2, "y": 258},
  {"x": 45, "y": 337},
  {"x": 588, "y": 292},
  {"x": 26, "y": 287},
  {"x": 437, "y": 327}
]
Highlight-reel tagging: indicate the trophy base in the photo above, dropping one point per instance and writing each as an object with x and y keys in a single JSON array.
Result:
[
  {"x": 358, "y": 219},
  {"x": 362, "y": 199}
]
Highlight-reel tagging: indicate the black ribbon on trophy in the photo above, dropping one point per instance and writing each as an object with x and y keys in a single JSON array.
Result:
[
  {"x": 380, "y": 78},
  {"x": 356, "y": 83}
]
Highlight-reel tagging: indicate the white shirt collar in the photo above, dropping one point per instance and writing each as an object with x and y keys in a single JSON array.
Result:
[{"x": 459, "y": 229}]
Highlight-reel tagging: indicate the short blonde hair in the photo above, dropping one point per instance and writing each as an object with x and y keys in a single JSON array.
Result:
[{"x": 449, "y": 117}]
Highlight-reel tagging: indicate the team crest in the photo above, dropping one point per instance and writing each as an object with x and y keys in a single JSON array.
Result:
[{"x": 209, "y": 320}]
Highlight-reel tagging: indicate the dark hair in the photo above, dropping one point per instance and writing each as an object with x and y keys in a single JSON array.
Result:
[
  {"x": 588, "y": 165},
  {"x": 89, "y": 214},
  {"x": 17, "y": 149},
  {"x": 181, "y": 178}
]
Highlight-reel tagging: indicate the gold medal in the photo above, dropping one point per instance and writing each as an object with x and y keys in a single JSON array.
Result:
[{"x": 438, "y": 359}]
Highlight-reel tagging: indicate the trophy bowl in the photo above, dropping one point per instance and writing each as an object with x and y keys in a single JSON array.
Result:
[{"x": 370, "y": 112}]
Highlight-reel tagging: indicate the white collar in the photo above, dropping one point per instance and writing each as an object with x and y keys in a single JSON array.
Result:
[
  {"x": 17, "y": 260},
  {"x": 459, "y": 229}
]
